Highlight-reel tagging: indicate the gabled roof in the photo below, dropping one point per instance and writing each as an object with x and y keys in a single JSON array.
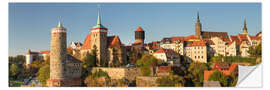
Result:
[
  {"x": 113, "y": 41},
  {"x": 87, "y": 42},
  {"x": 242, "y": 37},
  {"x": 236, "y": 39}
]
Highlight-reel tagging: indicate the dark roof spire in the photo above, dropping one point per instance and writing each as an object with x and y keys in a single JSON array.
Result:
[{"x": 245, "y": 27}]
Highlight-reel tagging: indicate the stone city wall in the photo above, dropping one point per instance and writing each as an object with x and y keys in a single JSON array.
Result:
[{"x": 145, "y": 81}]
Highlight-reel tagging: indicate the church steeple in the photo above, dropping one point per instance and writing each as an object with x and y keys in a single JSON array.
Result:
[
  {"x": 98, "y": 18},
  {"x": 99, "y": 25},
  {"x": 245, "y": 27},
  {"x": 198, "y": 17},
  {"x": 198, "y": 26}
]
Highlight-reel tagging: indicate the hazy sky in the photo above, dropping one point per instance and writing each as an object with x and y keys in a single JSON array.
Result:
[{"x": 30, "y": 23}]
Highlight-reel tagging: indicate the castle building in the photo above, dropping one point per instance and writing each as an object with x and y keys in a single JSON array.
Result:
[
  {"x": 109, "y": 48},
  {"x": 65, "y": 70},
  {"x": 31, "y": 56}
]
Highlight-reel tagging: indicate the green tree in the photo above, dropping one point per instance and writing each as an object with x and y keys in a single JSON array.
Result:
[
  {"x": 89, "y": 61},
  {"x": 170, "y": 81},
  {"x": 133, "y": 56},
  {"x": 97, "y": 78},
  {"x": 145, "y": 71},
  {"x": 196, "y": 70},
  {"x": 256, "y": 51},
  {"x": 44, "y": 74},
  {"x": 219, "y": 76},
  {"x": 14, "y": 70},
  {"x": 147, "y": 60}
]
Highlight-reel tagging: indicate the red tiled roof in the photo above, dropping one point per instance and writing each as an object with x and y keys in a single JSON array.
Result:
[
  {"x": 139, "y": 29},
  {"x": 254, "y": 38},
  {"x": 226, "y": 40},
  {"x": 207, "y": 74},
  {"x": 45, "y": 52},
  {"x": 232, "y": 69},
  {"x": 113, "y": 41},
  {"x": 236, "y": 39},
  {"x": 190, "y": 37},
  {"x": 243, "y": 37},
  {"x": 198, "y": 43},
  {"x": 155, "y": 42},
  {"x": 87, "y": 42}
]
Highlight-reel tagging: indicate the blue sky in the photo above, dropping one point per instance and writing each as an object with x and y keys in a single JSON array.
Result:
[{"x": 30, "y": 23}]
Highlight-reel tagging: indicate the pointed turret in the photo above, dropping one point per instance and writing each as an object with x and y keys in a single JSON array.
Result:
[
  {"x": 198, "y": 17},
  {"x": 99, "y": 25},
  {"x": 98, "y": 18},
  {"x": 245, "y": 27},
  {"x": 60, "y": 24}
]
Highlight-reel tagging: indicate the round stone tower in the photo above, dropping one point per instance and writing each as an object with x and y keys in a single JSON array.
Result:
[
  {"x": 58, "y": 57},
  {"x": 139, "y": 35}
]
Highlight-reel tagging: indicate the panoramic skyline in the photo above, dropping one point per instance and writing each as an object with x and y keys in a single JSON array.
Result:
[{"x": 30, "y": 23}]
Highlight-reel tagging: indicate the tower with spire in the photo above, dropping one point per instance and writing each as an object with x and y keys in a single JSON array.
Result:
[
  {"x": 58, "y": 57},
  {"x": 198, "y": 27},
  {"x": 99, "y": 41},
  {"x": 245, "y": 27}
]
